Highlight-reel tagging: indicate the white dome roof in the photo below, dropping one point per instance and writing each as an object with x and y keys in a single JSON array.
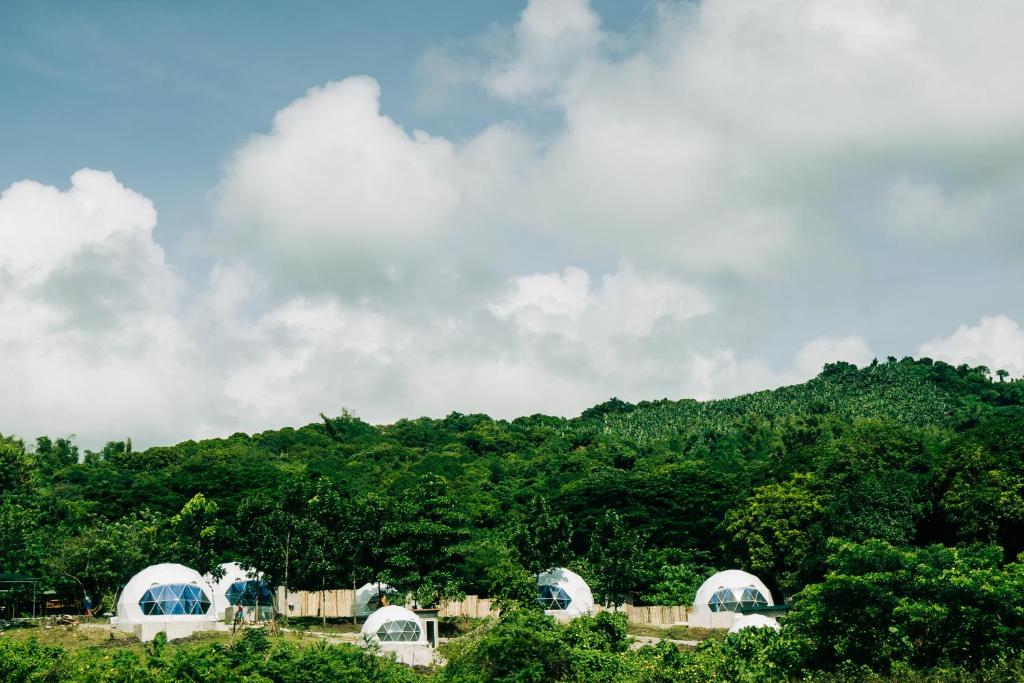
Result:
[
  {"x": 754, "y": 621},
  {"x": 564, "y": 593},
  {"x": 394, "y": 624},
  {"x": 728, "y": 590},
  {"x": 172, "y": 592},
  {"x": 366, "y": 597},
  {"x": 233, "y": 573}
]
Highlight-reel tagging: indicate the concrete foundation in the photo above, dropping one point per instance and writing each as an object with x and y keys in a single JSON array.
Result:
[
  {"x": 173, "y": 628},
  {"x": 711, "y": 619},
  {"x": 410, "y": 654}
]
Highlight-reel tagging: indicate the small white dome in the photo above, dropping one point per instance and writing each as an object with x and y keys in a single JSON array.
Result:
[
  {"x": 754, "y": 621},
  {"x": 237, "y": 585},
  {"x": 165, "y": 592},
  {"x": 564, "y": 593},
  {"x": 731, "y": 590},
  {"x": 394, "y": 624},
  {"x": 368, "y": 597}
]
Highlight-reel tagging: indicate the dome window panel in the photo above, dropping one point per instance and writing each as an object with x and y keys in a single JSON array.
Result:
[
  {"x": 249, "y": 593},
  {"x": 723, "y": 600},
  {"x": 553, "y": 597},
  {"x": 174, "y": 599},
  {"x": 752, "y": 598}
]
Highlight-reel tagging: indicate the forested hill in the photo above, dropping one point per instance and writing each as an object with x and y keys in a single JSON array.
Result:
[
  {"x": 914, "y": 392},
  {"x": 642, "y": 499}
]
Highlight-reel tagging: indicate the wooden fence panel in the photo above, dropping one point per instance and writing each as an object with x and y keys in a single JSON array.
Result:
[{"x": 340, "y": 603}]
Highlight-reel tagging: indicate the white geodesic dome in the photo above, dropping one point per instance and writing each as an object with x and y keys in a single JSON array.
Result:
[
  {"x": 564, "y": 594},
  {"x": 754, "y": 621},
  {"x": 368, "y": 597},
  {"x": 238, "y": 585},
  {"x": 732, "y": 591},
  {"x": 165, "y": 593},
  {"x": 394, "y": 625}
]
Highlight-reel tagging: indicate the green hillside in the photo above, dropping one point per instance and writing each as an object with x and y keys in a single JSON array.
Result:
[{"x": 913, "y": 392}]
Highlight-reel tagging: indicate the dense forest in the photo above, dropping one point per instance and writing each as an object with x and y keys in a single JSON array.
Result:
[{"x": 885, "y": 504}]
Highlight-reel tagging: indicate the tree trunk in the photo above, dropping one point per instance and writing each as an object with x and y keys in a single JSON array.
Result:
[
  {"x": 323, "y": 604},
  {"x": 355, "y": 617},
  {"x": 287, "y": 554}
]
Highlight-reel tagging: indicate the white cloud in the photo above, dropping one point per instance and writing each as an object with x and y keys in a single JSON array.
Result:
[
  {"x": 724, "y": 138},
  {"x": 552, "y": 39},
  {"x": 90, "y": 339},
  {"x": 919, "y": 208},
  {"x": 730, "y": 135},
  {"x": 546, "y": 302},
  {"x": 335, "y": 176},
  {"x": 625, "y": 305},
  {"x": 996, "y": 342},
  {"x": 42, "y": 227},
  {"x": 812, "y": 356}
]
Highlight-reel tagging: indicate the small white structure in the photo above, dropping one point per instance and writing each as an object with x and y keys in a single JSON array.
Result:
[
  {"x": 240, "y": 586},
  {"x": 754, "y": 621},
  {"x": 564, "y": 594},
  {"x": 368, "y": 597},
  {"x": 724, "y": 596},
  {"x": 165, "y": 597},
  {"x": 398, "y": 631}
]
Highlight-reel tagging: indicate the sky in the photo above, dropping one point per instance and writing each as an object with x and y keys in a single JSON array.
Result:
[{"x": 233, "y": 216}]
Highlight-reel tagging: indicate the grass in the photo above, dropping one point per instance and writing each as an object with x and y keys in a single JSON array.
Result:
[
  {"x": 334, "y": 626},
  {"x": 675, "y": 632},
  {"x": 79, "y": 638},
  {"x": 99, "y": 635}
]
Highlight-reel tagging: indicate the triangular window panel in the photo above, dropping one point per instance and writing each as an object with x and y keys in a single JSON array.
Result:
[{"x": 553, "y": 597}]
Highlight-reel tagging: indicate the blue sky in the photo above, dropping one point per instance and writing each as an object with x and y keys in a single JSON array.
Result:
[{"x": 244, "y": 214}]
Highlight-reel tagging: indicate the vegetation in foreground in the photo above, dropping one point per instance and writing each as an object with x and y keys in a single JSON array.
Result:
[
  {"x": 885, "y": 503},
  {"x": 523, "y": 645}
]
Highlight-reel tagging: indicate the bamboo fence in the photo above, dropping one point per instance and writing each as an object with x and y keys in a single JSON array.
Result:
[{"x": 340, "y": 603}]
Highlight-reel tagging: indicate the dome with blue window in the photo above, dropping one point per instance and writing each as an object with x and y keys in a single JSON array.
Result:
[
  {"x": 564, "y": 594},
  {"x": 732, "y": 591},
  {"x": 238, "y": 586},
  {"x": 165, "y": 597}
]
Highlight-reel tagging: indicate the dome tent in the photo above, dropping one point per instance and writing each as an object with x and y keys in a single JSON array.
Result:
[
  {"x": 394, "y": 624},
  {"x": 239, "y": 586},
  {"x": 732, "y": 591},
  {"x": 564, "y": 594},
  {"x": 368, "y": 597},
  {"x": 165, "y": 597},
  {"x": 754, "y": 621},
  {"x": 398, "y": 632}
]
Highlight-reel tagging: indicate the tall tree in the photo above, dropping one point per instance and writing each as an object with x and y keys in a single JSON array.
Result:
[
  {"x": 270, "y": 529},
  {"x": 779, "y": 529},
  {"x": 615, "y": 555},
  {"x": 542, "y": 538},
  {"x": 425, "y": 542},
  {"x": 195, "y": 535},
  {"x": 330, "y": 539}
]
